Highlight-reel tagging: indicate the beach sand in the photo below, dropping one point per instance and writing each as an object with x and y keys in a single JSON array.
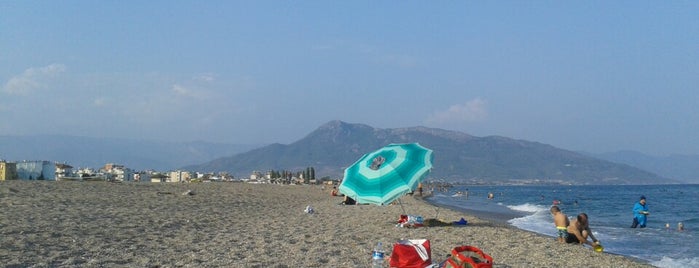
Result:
[{"x": 102, "y": 224}]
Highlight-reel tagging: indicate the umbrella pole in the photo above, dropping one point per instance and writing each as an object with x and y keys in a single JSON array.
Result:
[{"x": 401, "y": 206}]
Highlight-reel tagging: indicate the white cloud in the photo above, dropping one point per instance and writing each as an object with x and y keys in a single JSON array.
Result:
[
  {"x": 472, "y": 111},
  {"x": 207, "y": 77},
  {"x": 32, "y": 79},
  {"x": 180, "y": 90},
  {"x": 187, "y": 92},
  {"x": 98, "y": 102}
]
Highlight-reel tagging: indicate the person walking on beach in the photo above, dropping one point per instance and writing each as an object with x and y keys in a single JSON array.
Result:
[
  {"x": 579, "y": 231},
  {"x": 561, "y": 222},
  {"x": 640, "y": 212}
]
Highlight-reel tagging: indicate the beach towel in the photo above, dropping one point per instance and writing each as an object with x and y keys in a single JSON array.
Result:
[
  {"x": 411, "y": 254},
  {"x": 468, "y": 256}
]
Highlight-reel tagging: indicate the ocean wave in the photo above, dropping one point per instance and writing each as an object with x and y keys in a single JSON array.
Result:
[
  {"x": 667, "y": 262},
  {"x": 527, "y": 207}
]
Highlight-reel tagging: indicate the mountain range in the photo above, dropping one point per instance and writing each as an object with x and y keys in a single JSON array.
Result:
[
  {"x": 681, "y": 167},
  {"x": 458, "y": 157},
  {"x": 90, "y": 152}
]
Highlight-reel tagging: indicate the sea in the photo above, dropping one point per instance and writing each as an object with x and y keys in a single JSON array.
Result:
[{"x": 610, "y": 214}]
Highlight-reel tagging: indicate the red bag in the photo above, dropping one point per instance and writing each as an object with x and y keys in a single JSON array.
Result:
[
  {"x": 468, "y": 257},
  {"x": 411, "y": 254}
]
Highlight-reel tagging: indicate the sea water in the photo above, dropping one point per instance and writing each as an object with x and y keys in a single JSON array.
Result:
[{"x": 610, "y": 213}]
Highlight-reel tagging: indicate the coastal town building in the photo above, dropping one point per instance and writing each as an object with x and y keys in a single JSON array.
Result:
[
  {"x": 36, "y": 170},
  {"x": 115, "y": 172},
  {"x": 158, "y": 177},
  {"x": 8, "y": 171},
  {"x": 64, "y": 171},
  {"x": 141, "y": 176},
  {"x": 179, "y": 176}
]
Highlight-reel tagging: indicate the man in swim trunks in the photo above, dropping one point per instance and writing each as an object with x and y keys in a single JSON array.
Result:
[
  {"x": 579, "y": 230},
  {"x": 561, "y": 222}
]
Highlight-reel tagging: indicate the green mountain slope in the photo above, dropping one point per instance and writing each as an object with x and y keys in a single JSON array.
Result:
[{"x": 458, "y": 157}]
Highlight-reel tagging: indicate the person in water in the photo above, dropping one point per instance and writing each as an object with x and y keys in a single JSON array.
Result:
[
  {"x": 579, "y": 231},
  {"x": 640, "y": 213},
  {"x": 561, "y": 222}
]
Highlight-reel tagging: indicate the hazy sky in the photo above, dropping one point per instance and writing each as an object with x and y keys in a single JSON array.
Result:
[{"x": 596, "y": 76}]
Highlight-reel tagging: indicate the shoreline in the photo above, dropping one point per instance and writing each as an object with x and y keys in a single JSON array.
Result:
[
  {"x": 501, "y": 220},
  {"x": 242, "y": 225}
]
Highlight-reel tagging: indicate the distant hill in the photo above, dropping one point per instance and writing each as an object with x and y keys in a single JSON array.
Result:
[
  {"x": 680, "y": 167},
  {"x": 95, "y": 152},
  {"x": 458, "y": 157}
]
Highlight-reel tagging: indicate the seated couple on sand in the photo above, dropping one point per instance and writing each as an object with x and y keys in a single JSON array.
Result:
[
  {"x": 576, "y": 231},
  {"x": 348, "y": 201}
]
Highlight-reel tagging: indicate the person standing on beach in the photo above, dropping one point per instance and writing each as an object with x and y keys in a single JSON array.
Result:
[
  {"x": 640, "y": 212},
  {"x": 561, "y": 222},
  {"x": 579, "y": 231}
]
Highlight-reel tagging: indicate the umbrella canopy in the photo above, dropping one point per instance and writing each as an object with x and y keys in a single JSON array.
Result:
[{"x": 384, "y": 175}]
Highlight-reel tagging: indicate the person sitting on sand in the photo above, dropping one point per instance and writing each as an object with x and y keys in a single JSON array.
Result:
[
  {"x": 561, "y": 222},
  {"x": 579, "y": 230},
  {"x": 334, "y": 191},
  {"x": 348, "y": 201}
]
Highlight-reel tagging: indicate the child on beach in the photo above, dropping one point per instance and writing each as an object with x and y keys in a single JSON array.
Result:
[{"x": 561, "y": 222}]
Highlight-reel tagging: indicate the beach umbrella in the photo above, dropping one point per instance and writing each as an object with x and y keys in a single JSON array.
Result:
[{"x": 382, "y": 176}]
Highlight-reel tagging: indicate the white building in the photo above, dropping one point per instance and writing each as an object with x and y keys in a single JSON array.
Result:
[
  {"x": 36, "y": 170},
  {"x": 63, "y": 171}
]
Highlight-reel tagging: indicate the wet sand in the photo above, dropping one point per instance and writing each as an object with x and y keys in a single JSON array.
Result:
[{"x": 101, "y": 224}]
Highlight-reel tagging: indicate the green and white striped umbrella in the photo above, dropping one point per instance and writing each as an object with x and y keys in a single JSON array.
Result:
[{"x": 384, "y": 175}]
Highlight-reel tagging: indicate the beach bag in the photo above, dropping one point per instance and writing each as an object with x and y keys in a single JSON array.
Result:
[
  {"x": 468, "y": 256},
  {"x": 415, "y": 220},
  {"x": 411, "y": 221},
  {"x": 414, "y": 253}
]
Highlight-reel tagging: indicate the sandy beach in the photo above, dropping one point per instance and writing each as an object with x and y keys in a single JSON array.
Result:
[{"x": 102, "y": 224}]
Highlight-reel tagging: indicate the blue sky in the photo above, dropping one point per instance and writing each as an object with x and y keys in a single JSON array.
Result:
[{"x": 596, "y": 76}]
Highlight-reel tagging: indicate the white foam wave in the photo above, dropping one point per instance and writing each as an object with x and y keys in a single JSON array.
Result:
[
  {"x": 527, "y": 207},
  {"x": 667, "y": 262},
  {"x": 539, "y": 221}
]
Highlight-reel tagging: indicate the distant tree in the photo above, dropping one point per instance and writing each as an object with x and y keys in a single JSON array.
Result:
[{"x": 313, "y": 174}]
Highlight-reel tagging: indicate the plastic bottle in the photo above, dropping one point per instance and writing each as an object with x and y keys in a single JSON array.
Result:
[{"x": 377, "y": 256}]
